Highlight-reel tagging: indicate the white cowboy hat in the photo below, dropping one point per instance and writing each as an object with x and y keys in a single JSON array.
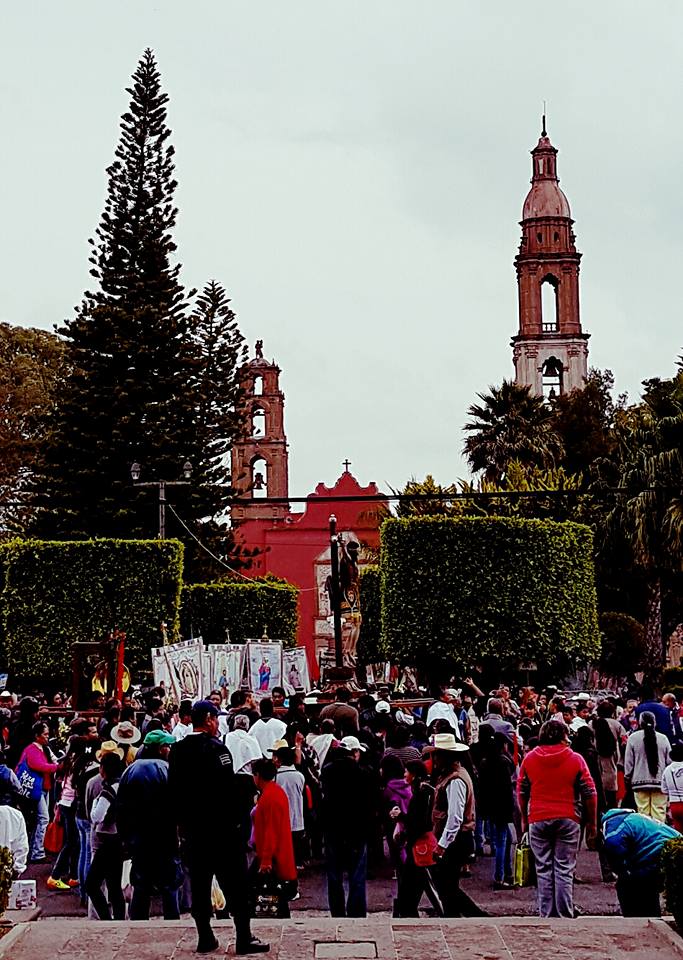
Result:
[{"x": 445, "y": 741}]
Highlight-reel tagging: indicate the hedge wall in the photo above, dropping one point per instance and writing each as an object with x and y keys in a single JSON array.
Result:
[
  {"x": 370, "y": 648},
  {"x": 465, "y": 588},
  {"x": 245, "y": 609},
  {"x": 55, "y": 593}
]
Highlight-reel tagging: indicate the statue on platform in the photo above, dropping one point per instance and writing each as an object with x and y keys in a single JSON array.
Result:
[
  {"x": 259, "y": 349},
  {"x": 349, "y": 582}
]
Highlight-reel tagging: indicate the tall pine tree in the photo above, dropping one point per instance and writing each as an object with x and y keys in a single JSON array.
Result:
[{"x": 134, "y": 394}]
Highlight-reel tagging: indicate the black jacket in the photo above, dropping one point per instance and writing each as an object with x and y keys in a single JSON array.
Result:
[{"x": 348, "y": 805}]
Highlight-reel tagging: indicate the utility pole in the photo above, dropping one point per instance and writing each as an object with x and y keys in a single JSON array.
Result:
[
  {"x": 135, "y": 472},
  {"x": 335, "y": 593}
]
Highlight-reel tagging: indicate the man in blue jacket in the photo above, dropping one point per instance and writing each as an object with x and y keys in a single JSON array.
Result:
[{"x": 633, "y": 844}]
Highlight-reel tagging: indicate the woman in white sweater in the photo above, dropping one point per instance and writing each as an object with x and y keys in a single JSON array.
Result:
[{"x": 647, "y": 755}]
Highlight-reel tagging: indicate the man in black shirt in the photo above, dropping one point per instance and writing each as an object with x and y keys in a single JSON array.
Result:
[{"x": 211, "y": 822}]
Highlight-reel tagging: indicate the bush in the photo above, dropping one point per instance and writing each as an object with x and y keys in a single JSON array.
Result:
[
  {"x": 370, "y": 649},
  {"x": 245, "y": 609},
  {"x": 465, "y": 588},
  {"x": 672, "y": 874},
  {"x": 672, "y": 677},
  {"x": 623, "y": 644},
  {"x": 59, "y": 592}
]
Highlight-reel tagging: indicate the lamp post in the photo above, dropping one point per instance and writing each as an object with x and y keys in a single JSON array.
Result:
[
  {"x": 336, "y": 592},
  {"x": 135, "y": 472}
]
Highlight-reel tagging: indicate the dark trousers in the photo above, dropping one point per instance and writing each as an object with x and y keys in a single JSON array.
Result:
[
  {"x": 66, "y": 865},
  {"x": 447, "y": 874},
  {"x": 413, "y": 882},
  {"x": 639, "y": 896},
  {"x": 344, "y": 859},
  {"x": 106, "y": 867},
  {"x": 207, "y": 857},
  {"x": 147, "y": 875}
]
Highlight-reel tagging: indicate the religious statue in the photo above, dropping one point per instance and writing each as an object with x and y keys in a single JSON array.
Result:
[
  {"x": 674, "y": 653},
  {"x": 259, "y": 349},
  {"x": 349, "y": 582}
]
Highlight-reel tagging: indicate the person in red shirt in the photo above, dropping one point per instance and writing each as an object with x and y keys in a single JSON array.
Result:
[
  {"x": 273, "y": 834},
  {"x": 556, "y": 792}
]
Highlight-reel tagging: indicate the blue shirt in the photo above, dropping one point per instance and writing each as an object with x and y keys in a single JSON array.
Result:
[{"x": 663, "y": 722}]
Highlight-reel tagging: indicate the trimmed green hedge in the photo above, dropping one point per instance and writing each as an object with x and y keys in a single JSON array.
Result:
[
  {"x": 370, "y": 649},
  {"x": 466, "y": 588},
  {"x": 245, "y": 609},
  {"x": 58, "y": 592}
]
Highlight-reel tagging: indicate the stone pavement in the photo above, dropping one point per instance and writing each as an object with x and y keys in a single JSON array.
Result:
[{"x": 509, "y": 938}]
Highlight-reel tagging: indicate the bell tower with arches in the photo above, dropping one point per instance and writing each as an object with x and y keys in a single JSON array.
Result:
[
  {"x": 550, "y": 350},
  {"x": 260, "y": 459}
]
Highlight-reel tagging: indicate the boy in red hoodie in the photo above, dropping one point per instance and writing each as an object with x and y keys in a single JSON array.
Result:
[{"x": 556, "y": 792}]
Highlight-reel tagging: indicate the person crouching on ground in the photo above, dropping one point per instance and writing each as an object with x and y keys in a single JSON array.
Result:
[
  {"x": 633, "y": 844},
  {"x": 552, "y": 780}
]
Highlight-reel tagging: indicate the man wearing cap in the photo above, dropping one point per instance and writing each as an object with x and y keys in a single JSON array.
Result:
[
  {"x": 443, "y": 709},
  {"x": 453, "y": 821},
  {"x": 146, "y": 824},
  {"x": 347, "y": 815},
  {"x": 211, "y": 821}
]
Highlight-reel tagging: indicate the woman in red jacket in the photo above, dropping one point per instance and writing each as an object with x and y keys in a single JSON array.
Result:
[{"x": 273, "y": 834}]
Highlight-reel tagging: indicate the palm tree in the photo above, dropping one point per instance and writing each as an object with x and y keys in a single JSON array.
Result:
[
  {"x": 648, "y": 512},
  {"x": 511, "y": 424}
]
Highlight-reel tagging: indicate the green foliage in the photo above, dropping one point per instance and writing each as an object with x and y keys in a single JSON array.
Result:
[
  {"x": 585, "y": 421},
  {"x": 56, "y": 593},
  {"x": 243, "y": 609},
  {"x": 671, "y": 862},
  {"x": 6, "y": 867},
  {"x": 672, "y": 677},
  {"x": 427, "y": 507},
  {"x": 465, "y": 588},
  {"x": 510, "y": 424},
  {"x": 623, "y": 644},
  {"x": 370, "y": 649}
]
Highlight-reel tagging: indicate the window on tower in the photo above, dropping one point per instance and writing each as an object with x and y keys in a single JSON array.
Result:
[
  {"x": 549, "y": 304},
  {"x": 258, "y": 386},
  {"x": 259, "y": 479},
  {"x": 552, "y": 371},
  {"x": 258, "y": 422}
]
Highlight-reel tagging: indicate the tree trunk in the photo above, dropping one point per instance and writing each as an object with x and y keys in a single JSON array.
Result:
[{"x": 653, "y": 629}]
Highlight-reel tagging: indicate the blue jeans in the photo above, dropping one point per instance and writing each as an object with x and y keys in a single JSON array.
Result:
[
  {"x": 502, "y": 842},
  {"x": 353, "y": 861},
  {"x": 84, "y": 853},
  {"x": 42, "y": 820},
  {"x": 555, "y": 844}
]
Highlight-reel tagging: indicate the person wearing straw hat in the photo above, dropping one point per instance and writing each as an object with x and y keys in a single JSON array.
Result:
[
  {"x": 453, "y": 821},
  {"x": 126, "y": 735}
]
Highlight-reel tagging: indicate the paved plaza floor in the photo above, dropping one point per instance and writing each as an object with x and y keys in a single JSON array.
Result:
[{"x": 379, "y": 938}]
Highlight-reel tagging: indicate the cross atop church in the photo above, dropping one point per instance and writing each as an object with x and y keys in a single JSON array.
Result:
[{"x": 346, "y": 464}]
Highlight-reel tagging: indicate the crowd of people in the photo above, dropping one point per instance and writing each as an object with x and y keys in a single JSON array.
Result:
[{"x": 222, "y": 804}]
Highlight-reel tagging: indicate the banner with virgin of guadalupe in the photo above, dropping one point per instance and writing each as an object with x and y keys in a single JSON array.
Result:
[
  {"x": 264, "y": 666},
  {"x": 185, "y": 667},
  {"x": 295, "y": 670}
]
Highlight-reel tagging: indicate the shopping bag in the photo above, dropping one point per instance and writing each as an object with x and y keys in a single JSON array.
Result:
[
  {"x": 54, "y": 837},
  {"x": 423, "y": 850},
  {"x": 525, "y": 868},
  {"x": 30, "y": 781}
]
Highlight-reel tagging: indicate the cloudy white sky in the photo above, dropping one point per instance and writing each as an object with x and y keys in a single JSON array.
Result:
[{"x": 354, "y": 174}]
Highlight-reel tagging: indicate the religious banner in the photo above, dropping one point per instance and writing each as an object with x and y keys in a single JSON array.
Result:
[
  {"x": 185, "y": 668},
  {"x": 295, "y": 670},
  {"x": 161, "y": 669},
  {"x": 227, "y": 667},
  {"x": 264, "y": 660}
]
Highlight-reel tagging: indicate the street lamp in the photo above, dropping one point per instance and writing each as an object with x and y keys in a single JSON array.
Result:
[{"x": 135, "y": 472}]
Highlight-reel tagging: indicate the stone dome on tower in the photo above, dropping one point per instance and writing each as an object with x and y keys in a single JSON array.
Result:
[{"x": 545, "y": 199}]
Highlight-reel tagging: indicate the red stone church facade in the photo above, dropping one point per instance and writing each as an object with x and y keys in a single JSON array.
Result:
[{"x": 293, "y": 545}]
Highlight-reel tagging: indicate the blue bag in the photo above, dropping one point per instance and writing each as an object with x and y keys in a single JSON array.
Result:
[{"x": 30, "y": 781}]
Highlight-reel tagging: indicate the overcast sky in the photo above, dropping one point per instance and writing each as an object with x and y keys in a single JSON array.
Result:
[{"x": 354, "y": 173}]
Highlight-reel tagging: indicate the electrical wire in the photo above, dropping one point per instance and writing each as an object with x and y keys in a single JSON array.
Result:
[{"x": 237, "y": 573}]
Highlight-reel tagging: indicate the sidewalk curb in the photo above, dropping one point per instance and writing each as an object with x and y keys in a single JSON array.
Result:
[{"x": 11, "y": 938}]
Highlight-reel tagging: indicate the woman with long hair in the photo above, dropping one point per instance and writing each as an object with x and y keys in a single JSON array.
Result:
[
  {"x": 65, "y": 870},
  {"x": 647, "y": 754},
  {"x": 609, "y": 735},
  {"x": 414, "y": 824}
]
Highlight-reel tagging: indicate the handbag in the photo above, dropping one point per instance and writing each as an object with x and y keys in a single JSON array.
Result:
[
  {"x": 54, "y": 837},
  {"x": 423, "y": 850},
  {"x": 30, "y": 781},
  {"x": 525, "y": 865}
]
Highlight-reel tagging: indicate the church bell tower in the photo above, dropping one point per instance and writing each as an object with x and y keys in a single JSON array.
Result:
[
  {"x": 260, "y": 459},
  {"x": 550, "y": 351}
]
